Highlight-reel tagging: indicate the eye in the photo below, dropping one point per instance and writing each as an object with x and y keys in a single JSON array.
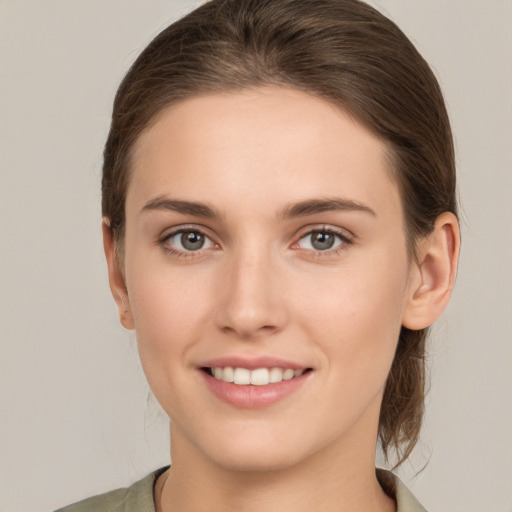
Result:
[
  {"x": 322, "y": 240},
  {"x": 188, "y": 240}
]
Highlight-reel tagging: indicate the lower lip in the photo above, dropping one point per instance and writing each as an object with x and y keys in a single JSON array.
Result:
[{"x": 250, "y": 396}]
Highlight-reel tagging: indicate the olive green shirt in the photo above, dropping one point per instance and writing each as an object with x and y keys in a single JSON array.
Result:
[{"x": 139, "y": 496}]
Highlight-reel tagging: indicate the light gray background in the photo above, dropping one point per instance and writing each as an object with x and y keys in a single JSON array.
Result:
[{"x": 75, "y": 415}]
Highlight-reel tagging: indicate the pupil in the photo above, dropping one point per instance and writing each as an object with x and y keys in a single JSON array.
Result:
[
  {"x": 192, "y": 240},
  {"x": 322, "y": 240}
]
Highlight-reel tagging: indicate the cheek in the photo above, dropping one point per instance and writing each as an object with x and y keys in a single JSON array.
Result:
[
  {"x": 356, "y": 315},
  {"x": 169, "y": 312},
  {"x": 166, "y": 306},
  {"x": 169, "y": 309}
]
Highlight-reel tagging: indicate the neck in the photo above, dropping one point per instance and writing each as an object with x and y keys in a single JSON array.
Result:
[{"x": 323, "y": 482}]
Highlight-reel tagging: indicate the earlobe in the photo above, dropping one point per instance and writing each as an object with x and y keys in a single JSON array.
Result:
[
  {"x": 433, "y": 274},
  {"x": 116, "y": 277}
]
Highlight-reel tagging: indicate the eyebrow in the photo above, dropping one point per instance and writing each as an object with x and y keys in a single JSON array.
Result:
[
  {"x": 300, "y": 209},
  {"x": 313, "y": 206},
  {"x": 193, "y": 208}
]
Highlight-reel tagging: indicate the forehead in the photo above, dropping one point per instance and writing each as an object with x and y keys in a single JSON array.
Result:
[{"x": 263, "y": 143}]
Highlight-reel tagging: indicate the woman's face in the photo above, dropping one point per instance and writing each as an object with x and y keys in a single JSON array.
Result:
[{"x": 264, "y": 230}]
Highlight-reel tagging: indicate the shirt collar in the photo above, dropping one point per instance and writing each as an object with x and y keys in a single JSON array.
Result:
[{"x": 395, "y": 488}]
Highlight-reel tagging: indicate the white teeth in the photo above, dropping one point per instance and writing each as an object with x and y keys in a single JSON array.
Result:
[
  {"x": 242, "y": 376},
  {"x": 288, "y": 374},
  {"x": 257, "y": 377},
  {"x": 260, "y": 377},
  {"x": 228, "y": 375},
  {"x": 276, "y": 375}
]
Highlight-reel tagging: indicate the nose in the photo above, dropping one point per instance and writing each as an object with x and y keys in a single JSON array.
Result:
[{"x": 251, "y": 300}]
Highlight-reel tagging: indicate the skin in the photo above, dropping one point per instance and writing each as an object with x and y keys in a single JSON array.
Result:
[{"x": 259, "y": 287}]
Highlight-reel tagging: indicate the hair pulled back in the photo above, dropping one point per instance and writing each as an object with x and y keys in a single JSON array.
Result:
[{"x": 342, "y": 51}]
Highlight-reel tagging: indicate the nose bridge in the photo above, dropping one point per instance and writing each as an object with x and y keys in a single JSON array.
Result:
[{"x": 250, "y": 302}]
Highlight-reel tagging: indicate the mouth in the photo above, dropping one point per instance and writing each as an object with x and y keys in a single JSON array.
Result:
[
  {"x": 253, "y": 377},
  {"x": 254, "y": 382}
]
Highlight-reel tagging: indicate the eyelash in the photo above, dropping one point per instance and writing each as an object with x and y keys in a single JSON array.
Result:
[
  {"x": 345, "y": 240},
  {"x": 342, "y": 236},
  {"x": 164, "y": 242}
]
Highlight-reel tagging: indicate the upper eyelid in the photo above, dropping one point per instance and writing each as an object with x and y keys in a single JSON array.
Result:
[
  {"x": 163, "y": 242},
  {"x": 347, "y": 239},
  {"x": 342, "y": 232},
  {"x": 168, "y": 232}
]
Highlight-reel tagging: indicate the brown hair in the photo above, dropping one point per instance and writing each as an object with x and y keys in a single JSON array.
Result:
[{"x": 343, "y": 51}]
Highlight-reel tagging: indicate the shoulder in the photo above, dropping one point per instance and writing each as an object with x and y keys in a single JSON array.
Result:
[
  {"x": 136, "y": 498},
  {"x": 394, "y": 487}
]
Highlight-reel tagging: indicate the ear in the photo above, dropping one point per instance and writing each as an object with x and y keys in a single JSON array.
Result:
[
  {"x": 116, "y": 277},
  {"x": 433, "y": 274}
]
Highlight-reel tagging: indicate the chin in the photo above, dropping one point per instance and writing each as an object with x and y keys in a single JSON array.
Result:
[
  {"x": 239, "y": 447},
  {"x": 256, "y": 460}
]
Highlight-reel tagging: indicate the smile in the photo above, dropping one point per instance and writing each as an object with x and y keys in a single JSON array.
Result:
[
  {"x": 254, "y": 383},
  {"x": 255, "y": 377}
]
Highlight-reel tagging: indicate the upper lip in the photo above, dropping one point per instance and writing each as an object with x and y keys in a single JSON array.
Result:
[{"x": 252, "y": 363}]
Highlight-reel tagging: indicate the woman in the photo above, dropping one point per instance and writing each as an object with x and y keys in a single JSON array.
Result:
[{"x": 280, "y": 228}]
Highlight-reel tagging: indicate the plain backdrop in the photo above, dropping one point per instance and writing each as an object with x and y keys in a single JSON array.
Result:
[{"x": 76, "y": 414}]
